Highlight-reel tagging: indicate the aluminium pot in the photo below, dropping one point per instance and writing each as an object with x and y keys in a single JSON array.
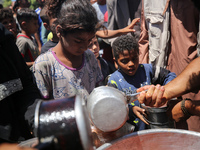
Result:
[{"x": 107, "y": 108}]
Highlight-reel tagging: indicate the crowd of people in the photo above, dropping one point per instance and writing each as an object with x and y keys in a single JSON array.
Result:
[{"x": 53, "y": 52}]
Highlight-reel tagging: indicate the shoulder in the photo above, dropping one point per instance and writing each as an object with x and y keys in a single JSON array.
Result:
[
  {"x": 103, "y": 61},
  {"x": 146, "y": 67},
  {"x": 47, "y": 46},
  {"x": 44, "y": 59},
  {"x": 95, "y": 4},
  {"x": 22, "y": 38},
  {"x": 116, "y": 75},
  {"x": 89, "y": 55},
  {"x": 115, "y": 78}
]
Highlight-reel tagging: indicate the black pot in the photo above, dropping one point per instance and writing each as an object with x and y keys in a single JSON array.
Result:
[
  {"x": 157, "y": 117},
  {"x": 63, "y": 124}
]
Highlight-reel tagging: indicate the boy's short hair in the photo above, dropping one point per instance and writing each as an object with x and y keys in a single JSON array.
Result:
[
  {"x": 26, "y": 14},
  {"x": 5, "y": 13},
  {"x": 124, "y": 42}
]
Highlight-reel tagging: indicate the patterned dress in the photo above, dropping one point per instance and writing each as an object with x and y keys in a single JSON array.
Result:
[{"x": 56, "y": 80}]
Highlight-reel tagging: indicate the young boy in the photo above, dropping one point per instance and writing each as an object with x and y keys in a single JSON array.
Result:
[
  {"x": 94, "y": 47},
  {"x": 7, "y": 19},
  {"x": 132, "y": 75},
  {"x": 28, "y": 21},
  {"x": 48, "y": 23}
]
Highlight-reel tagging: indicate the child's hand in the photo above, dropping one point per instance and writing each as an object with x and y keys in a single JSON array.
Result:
[
  {"x": 129, "y": 28},
  {"x": 139, "y": 112}
]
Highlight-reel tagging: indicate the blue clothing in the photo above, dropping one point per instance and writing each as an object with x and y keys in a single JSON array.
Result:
[
  {"x": 38, "y": 10},
  {"x": 144, "y": 74},
  {"x": 43, "y": 32}
]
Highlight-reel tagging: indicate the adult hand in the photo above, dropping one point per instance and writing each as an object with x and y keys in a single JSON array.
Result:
[{"x": 154, "y": 97}]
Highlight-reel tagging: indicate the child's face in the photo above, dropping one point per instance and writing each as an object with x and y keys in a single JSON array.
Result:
[
  {"x": 94, "y": 47},
  {"x": 76, "y": 43},
  {"x": 128, "y": 62},
  {"x": 10, "y": 24}
]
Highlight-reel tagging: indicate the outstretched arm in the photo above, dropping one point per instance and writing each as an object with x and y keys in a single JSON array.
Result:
[
  {"x": 187, "y": 81},
  {"x": 114, "y": 33}
]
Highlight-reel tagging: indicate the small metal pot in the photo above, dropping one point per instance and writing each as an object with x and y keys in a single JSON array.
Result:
[
  {"x": 63, "y": 122},
  {"x": 107, "y": 108},
  {"x": 157, "y": 117}
]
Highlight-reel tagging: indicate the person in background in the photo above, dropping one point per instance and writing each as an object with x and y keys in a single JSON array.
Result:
[
  {"x": 48, "y": 23},
  {"x": 101, "y": 8},
  {"x": 41, "y": 35},
  {"x": 28, "y": 20},
  {"x": 69, "y": 68},
  {"x": 94, "y": 47},
  {"x": 7, "y": 19},
  {"x": 121, "y": 13},
  {"x": 131, "y": 75},
  {"x": 19, "y": 93},
  {"x": 18, "y": 4}
]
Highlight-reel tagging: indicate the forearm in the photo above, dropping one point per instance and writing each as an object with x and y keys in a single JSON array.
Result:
[
  {"x": 193, "y": 107},
  {"x": 109, "y": 33},
  {"x": 37, "y": 38},
  {"x": 187, "y": 81}
]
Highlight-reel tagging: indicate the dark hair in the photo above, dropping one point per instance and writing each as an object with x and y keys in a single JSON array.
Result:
[
  {"x": 197, "y": 4},
  {"x": 26, "y": 14},
  {"x": 18, "y": 3},
  {"x": 5, "y": 13},
  {"x": 74, "y": 15},
  {"x": 43, "y": 14},
  {"x": 124, "y": 42}
]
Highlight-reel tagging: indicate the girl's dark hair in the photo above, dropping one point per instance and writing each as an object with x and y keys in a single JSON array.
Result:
[
  {"x": 5, "y": 13},
  {"x": 124, "y": 42},
  {"x": 26, "y": 14},
  {"x": 74, "y": 15}
]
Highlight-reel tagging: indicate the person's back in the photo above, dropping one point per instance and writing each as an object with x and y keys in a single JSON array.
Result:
[
  {"x": 130, "y": 74},
  {"x": 28, "y": 20},
  {"x": 18, "y": 92}
]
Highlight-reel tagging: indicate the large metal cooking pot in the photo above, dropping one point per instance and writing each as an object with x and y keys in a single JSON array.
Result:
[
  {"x": 64, "y": 124},
  {"x": 156, "y": 139},
  {"x": 108, "y": 109}
]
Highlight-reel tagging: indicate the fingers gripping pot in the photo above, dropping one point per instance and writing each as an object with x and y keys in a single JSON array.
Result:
[
  {"x": 157, "y": 117},
  {"x": 66, "y": 121},
  {"x": 107, "y": 108}
]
